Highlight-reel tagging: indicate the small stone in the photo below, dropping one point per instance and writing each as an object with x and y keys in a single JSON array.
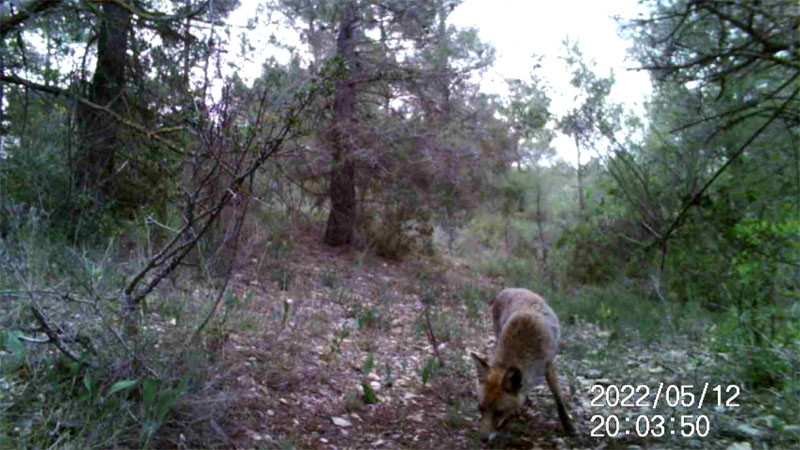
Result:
[
  {"x": 740, "y": 446},
  {"x": 416, "y": 418},
  {"x": 262, "y": 437},
  {"x": 748, "y": 431},
  {"x": 341, "y": 422}
]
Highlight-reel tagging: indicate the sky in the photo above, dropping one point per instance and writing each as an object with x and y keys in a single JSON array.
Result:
[{"x": 518, "y": 29}]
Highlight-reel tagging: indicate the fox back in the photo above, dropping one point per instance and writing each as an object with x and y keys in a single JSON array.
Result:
[{"x": 527, "y": 335}]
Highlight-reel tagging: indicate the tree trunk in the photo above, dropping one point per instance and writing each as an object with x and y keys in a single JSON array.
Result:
[
  {"x": 581, "y": 198},
  {"x": 545, "y": 246},
  {"x": 342, "y": 217},
  {"x": 94, "y": 165}
]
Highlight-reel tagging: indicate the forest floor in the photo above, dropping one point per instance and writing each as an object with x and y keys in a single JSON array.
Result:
[{"x": 291, "y": 368}]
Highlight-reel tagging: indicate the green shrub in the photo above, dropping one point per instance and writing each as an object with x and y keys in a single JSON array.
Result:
[
  {"x": 626, "y": 312},
  {"x": 398, "y": 231},
  {"x": 514, "y": 271}
]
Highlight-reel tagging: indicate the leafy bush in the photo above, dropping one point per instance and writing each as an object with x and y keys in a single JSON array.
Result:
[
  {"x": 597, "y": 252},
  {"x": 514, "y": 271},
  {"x": 398, "y": 232}
]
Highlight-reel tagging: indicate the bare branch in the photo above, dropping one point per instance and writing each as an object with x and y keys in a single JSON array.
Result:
[{"x": 52, "y": 334}]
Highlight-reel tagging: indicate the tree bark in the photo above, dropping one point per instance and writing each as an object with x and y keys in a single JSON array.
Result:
[
  {"x": 581, "y": 198},
  {"x": 342, "y": 217},
  {"x": 94, "y": 165}
]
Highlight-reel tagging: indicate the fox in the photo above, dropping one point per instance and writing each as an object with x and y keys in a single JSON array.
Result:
[{"x": 527, "y": 336}]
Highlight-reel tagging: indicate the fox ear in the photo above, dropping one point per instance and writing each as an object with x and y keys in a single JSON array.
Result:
[
  {"x": 512, "y": 381},
  {"x": 481, "y": 365}
]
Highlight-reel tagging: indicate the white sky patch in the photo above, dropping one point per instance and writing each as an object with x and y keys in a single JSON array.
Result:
[
  {"x": 521, "y": 28},
  {"x": 250, "y": 64}
]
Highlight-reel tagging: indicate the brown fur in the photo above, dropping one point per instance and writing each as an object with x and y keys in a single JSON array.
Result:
[{"x": 528, "y": 334}]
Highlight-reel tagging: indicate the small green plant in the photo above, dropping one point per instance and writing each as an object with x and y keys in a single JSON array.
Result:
[
  {"x": 515, "y": 271},
  {"x": 11, "y": 343},
  {"x": 388, "y": 381},
  {"x": 283, "y": 277},
  {"x": 474, "y": 301},
  {"x": 366, "y": 318},
  {"x": 158, "y": 398},
  {"x": 336, "y": 342},
  {"x": 369, "y": 394},
  {"x": 358, "y": 259},
  {"x": 430, "y": 370},
  {"x": 287, "y": 308}
]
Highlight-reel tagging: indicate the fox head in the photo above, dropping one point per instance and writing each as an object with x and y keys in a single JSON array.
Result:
[{"x": 499, "y": 395}]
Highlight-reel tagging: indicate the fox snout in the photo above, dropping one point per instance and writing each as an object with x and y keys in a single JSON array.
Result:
[{"x": 491, "y": 423}]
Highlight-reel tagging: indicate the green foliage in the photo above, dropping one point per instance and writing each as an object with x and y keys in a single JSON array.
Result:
[
  {"x": 282, "y": 276},
  {"x": 628, "y": 313},
  {"x": 513, "y": 186},
  {"x": 336, "y": 342},
  {"x": 11, "y": 343},
  {"x": 400, "y": 230},
  {"x": 121, "y": 386},
  {"x": 158, "y": 398},
  {"x": 515, "y": 271},
  {"x": 475, "y": 300},
  {"x": 66, "y": 389},
  {"x": 367, "y": 318},
  {"x": 434, "y": 321},
  {"x": 764, "y": 344},
  {"x": 36, "y": 181},
  {"x": 369, "y": 394},
  {"x": 429, "y": 370},
  {"x": 598, "y": 253}
]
